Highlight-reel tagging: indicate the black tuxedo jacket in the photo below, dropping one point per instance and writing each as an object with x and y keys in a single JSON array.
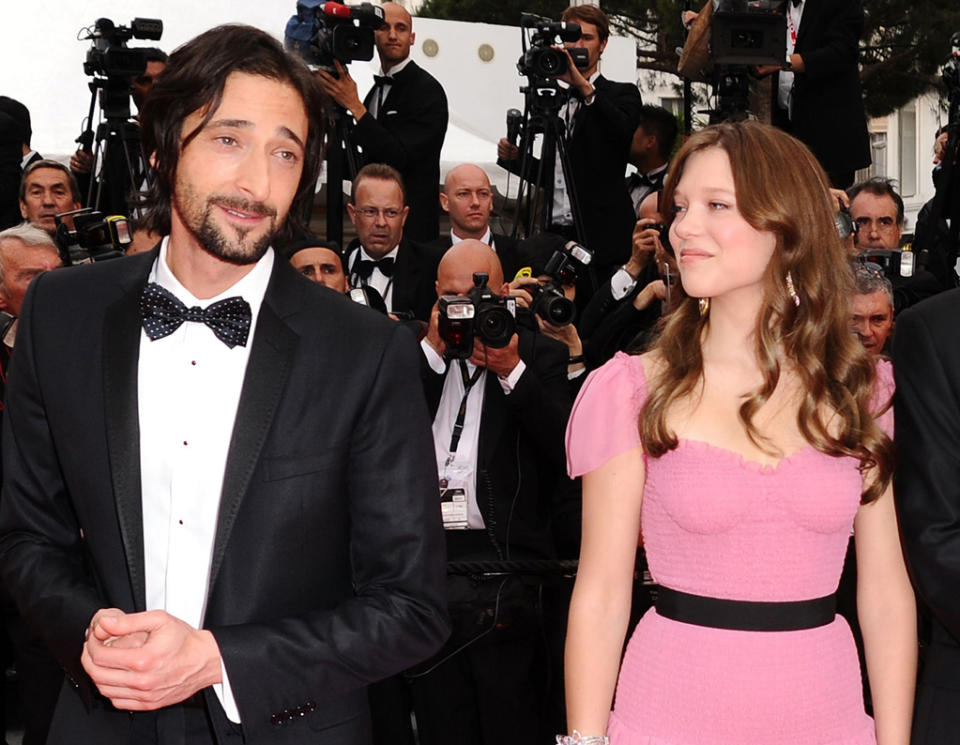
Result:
[
  {"x": 506, "y": 246},
  {"x": 927, "y": 488},
  {"x": 327, "y": 565},
  {"x": 520, "y": 453},
  {"x": 414, "y": 277},
  {"x": 598, "y": 151},
  {"x": 408, "y": 135},
  {"x": 827, "y": 105}
]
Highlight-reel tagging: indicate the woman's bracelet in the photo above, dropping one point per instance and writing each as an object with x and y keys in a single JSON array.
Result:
[{"x": 577, "y": 739}]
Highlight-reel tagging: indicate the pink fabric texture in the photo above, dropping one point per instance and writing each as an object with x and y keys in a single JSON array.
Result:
[{"x": 718, "y": 525}]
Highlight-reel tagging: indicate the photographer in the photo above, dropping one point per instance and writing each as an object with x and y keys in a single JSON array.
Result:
[
  {"x": 601, "y": 118},
  {"x": 320, "y": 262},
  {"x": 47, "y": 188},
  {"x": 817, "y": 95},
  {"x": 877, "y": 210},
  {"x": 498, "y": 477},
  {"x": 627, "y": 307},
  {"x": 402, "y": 121}
]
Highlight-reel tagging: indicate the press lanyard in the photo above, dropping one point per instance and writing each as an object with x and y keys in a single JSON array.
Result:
[{"x": 468, "y": 382}]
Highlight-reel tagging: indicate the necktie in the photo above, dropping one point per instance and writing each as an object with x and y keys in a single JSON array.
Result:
[
  {"x": 163, "y": 313},
  {"x": 365, "y": 267},
  {"x": 379, "y": 81}
]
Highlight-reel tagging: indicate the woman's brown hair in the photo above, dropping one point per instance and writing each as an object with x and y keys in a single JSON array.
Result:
[{"x": 782, "y": 189}]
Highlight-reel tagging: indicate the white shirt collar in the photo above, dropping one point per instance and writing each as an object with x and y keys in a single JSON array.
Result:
[
  {"x": 251, "y": 287},
  {"x": 392, "y": 254},
  {"x": 486, "y": 237},
  {"x": 396, "y": 68},
  {"x": 25, "y": 161}
]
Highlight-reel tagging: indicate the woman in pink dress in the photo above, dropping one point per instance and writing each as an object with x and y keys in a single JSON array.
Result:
[{"x": 756, "y": 435}]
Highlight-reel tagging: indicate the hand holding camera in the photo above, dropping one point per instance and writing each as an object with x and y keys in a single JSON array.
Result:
[{"x": 646, "y": 241}]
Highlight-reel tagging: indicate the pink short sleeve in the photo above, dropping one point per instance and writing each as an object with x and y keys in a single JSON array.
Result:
[
  {"x": 604, "y": 420},
  {"x": 883, "y": 396}
]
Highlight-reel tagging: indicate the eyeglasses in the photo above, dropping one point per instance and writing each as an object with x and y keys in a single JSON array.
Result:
[
  {"x": 881, "y": 224},
  {"x": 390, "y": 213}
]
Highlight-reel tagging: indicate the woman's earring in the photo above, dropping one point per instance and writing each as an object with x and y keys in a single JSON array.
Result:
[
  {"x": 792, "y": 291},
  {"x": 704, "y": 304}
]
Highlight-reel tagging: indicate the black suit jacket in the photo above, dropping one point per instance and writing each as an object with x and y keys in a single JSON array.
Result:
[
  {"x": 827, "y": 105},
  {"x": 520, "y": 454},
  {"x": 414, "y": 277},
  {"x": 327, "y": 565},
  {"x": 598, "y": 151},
  {"x": 507, "y": 249},
  {"x": 927, "y": 489},
  {"x": 408, "y": 135}
]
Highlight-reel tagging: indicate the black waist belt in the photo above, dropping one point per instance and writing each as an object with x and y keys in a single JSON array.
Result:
[{"x": 745, "y": 615}]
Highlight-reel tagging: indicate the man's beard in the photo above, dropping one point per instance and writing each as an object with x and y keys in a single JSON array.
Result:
[{"x": 198, "y": 218}]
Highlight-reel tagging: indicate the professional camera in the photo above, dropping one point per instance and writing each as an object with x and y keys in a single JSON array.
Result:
[
  {"x": 95, "y": 237},
  {"x": 110, "y": 57},
  {"x": 748, "y": 33},
  {"x": 549, "y": 302},
  {"x": 480, "y": 314},
  {"x": 540, "y": 59},
  {"x": 322, "y": 32}
]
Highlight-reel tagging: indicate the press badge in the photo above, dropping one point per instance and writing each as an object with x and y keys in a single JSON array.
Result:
[{"x": 453, "y": 498}]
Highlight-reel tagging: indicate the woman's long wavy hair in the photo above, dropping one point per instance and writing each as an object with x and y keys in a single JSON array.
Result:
[{"x": 781, "y": 189}]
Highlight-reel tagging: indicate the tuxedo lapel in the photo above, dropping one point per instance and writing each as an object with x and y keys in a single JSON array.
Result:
[
  {"x": 405, "y": 278},
  {"x": 271, "y": 357},
  {"x": 121, "y": 352}
]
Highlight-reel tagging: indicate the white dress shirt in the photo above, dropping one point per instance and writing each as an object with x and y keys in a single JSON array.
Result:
[
  {"x": 188, "y": 391},
  {"x": 785, "y": 87},
  {"x": 378, "y": 280},
  {"x": 485, "y": 238},
  {"x": 374, "y": 107},
  {"x": 562, "y": 210}
]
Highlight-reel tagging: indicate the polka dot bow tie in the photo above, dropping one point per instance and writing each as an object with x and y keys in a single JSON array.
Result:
[{"x": 163, "y": 313}]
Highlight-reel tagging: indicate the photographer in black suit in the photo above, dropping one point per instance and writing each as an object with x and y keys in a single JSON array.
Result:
[
  {"x": 402, "y": 120},
  {"x": 488, "y": 683},
  {"x": 601, "y": 117}
]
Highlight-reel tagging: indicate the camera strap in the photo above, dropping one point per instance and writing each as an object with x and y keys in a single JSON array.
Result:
[{"x": 468, "y": 382}]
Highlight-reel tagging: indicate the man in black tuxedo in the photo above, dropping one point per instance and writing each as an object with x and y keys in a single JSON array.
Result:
[
  {"x": 468, "y": 199},
  {"x": 20, "y": 115},
  {"x": 601, "y": 117},
  {"x": 224, "y": 525},
  {"x": 650, "y": 151},
  {"x": 402, "y": 121},
  {"x": 498, "y": 478},
  {"x": 927, "y": 486},
  {"x": 817, "y": 96},
  {"x": 400, "y": 270}
]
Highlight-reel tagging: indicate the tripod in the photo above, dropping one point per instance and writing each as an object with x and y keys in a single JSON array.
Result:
[
  {"x": 342, "y": 159},
  {"x": 117, "y": 147},
  {"x": 544, "y": 100}
]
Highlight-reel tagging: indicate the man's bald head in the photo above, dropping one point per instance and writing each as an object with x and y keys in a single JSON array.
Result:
[
  {"x": 396, "y": 10},
  {"x": 650, "y": 207},
  {"x": 469, "y": 200},
  {"x": 461, "y": 262},
  {"x": 395, "y": 38}
]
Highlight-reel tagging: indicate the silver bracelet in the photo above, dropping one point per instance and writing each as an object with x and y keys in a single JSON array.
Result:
[{"x": 577, "y": 739}]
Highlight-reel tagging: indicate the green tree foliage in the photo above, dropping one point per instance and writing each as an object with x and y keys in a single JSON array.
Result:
[{"x": 903, "y": 46}]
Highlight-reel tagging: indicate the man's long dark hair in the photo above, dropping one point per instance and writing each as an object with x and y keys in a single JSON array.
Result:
[{"x": 194, "y": 81}]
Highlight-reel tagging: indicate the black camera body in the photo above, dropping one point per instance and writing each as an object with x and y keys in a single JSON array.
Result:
[
  {"x": 480, "y": 314},
  {"x": 322, "y": 31},
  {"x": 95, "y": 236},
  {"x": 549, "y": 302},
  {"x": 110, "y": 57},
  {"x": 748, "y": 33},
  {"x": 895, "y": 262},
  {"x": 540, "y": 59}
]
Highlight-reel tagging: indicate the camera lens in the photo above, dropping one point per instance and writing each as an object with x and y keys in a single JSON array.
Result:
[{"x": 496, "y": 326}]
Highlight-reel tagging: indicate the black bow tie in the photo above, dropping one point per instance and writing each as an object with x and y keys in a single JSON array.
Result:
[
  {"x": 382, "y": 80},
  {"x": 163, "y": 314},
  {"x": 365, "y": 267},
  {"x": 654, "y": 182}
]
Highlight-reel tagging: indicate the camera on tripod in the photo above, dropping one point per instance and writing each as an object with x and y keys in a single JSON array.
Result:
[
  {"x": 539, "y": 58},
  {"x": 322, "y": 32},
  {"x": 480, "y": 314},
  {"x": 110, "y": 57},
  {"x": 549, "y": 302},
  {"x": 95, "y": 236}
]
